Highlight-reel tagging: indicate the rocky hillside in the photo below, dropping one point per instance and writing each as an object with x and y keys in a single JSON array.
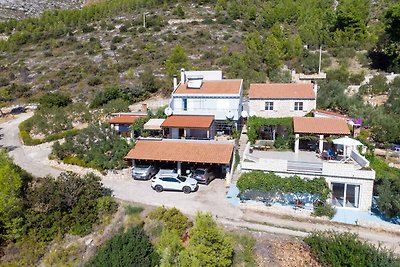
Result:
[{"x": 17, "y": 9}]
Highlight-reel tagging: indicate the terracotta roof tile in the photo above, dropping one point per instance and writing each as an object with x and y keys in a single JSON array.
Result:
[
  {"x": 186, "y": 121},
  {"x": 124, "y": 119},
  {"x": 315, "y": 125},
  {"x": 282, "y": 90},
  {"x": 184, "y": 151},
  {"x": 330, "y": 113},
  {"x": 212, "y": 87}
]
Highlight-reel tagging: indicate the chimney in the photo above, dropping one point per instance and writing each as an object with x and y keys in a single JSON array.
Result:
[
  {"x": 315, "y": 89},
  {"x": 144, "y": 107},
  {"x": 182, "y": 76},
  {"x": 175, "y": 81}
]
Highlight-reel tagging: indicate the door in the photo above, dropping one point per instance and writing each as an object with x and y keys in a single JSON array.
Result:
[
  {"x": 338, "y": 194},
  {"x": 345, "y": 195}
]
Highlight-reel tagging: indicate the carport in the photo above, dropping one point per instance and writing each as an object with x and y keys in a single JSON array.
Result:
[{"x": 187, "y": 152}]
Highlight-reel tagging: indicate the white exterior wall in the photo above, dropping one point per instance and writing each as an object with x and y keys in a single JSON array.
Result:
[
  {"x": 205, "y": 105},
  {"x": 282, "y": 107}
]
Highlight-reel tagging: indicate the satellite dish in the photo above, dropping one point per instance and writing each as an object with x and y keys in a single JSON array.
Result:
[
  {"x": 252, "y": 113},
  {"x": 244, "y": 114},
  {"x": 168, "y": 111},
  {"x": 230, "y": 115}
]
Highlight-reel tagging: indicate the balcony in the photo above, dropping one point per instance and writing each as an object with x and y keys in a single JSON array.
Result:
[{"x": 307, "y": 164}]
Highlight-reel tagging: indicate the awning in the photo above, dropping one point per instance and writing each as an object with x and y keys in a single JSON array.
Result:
[
  {"x": 211, "y": 152},
  {"x": 153, "y": 124}
]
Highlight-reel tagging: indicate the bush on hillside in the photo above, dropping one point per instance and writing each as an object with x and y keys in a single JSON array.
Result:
[
  {"x": 345, "y": 249},
  {"x": 172, "y": 218},
  {"x": 97, "y": 146},
  {"x": 208, "y": 244},
  {"x": 54, "y": 100},
  {"x": 132, "y": 248}
]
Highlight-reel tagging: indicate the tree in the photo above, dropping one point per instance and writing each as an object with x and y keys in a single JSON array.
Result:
[
  {"x": 148, "y": 81},
  {"x": 176, "y": 60},
  {"x": 54, "y": 100},
  {"x": 169, "y": 247},
  {"x": 208, "y": 245},
  {"x": 389, "y": 197},
  {"x": 11, "y": 219},
  {"x": 274, "y": 54},
  {"x": 132, "y": 248},
  {"x": 393, "y": 102}
]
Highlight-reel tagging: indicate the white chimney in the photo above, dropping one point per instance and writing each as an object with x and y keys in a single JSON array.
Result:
[
  {"x": 175, "y": 82},
  {"x": 182, "y": 76},
  {"x": 315, "y": 89}
]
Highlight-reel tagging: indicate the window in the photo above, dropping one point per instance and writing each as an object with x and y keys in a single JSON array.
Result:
[
  {"x": 184, "y": 103},
  {"x": 269, "y": 105},
  {"x": 298, "y": 105}
]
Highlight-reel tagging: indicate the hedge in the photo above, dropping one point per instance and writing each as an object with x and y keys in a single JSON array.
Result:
[
  {"x": 270, "y": 182},
  {"x": 24, "y": 129}
]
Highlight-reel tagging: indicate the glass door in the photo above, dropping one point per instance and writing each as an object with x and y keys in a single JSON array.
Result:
[
  {"x": 352, "y": 196},
  {"x": 338, "y": 194},
  {"x": 345, "y": 195}
]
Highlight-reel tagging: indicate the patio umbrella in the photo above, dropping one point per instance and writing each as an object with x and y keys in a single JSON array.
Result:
[{"x": 346, "y": 142}]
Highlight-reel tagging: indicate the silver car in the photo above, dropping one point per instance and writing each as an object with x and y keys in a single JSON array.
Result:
[{"x": 144, "y": 171}]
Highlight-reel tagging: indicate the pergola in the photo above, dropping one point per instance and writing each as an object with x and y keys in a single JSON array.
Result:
[{"x": 320, "y": 127}]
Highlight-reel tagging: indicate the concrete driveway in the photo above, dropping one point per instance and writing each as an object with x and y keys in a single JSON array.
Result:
[{"x": 210, "y": 197}]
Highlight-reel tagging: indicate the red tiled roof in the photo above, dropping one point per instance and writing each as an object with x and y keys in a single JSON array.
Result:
[
  {"x": 183, "y": 151},
  {"x": 330, "y": 113},
  {"x": 282, "y": 90},
  {"x": 212, "y": 87},
  {"x": 315, "y": 125},
  {"x": 124, "y": 119},
  {"x": 186, "y": 121}
]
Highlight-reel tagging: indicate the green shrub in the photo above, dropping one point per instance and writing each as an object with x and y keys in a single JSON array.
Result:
[
  {"x": 132, "y": 248},
  {"x": 133, "y": 210},
  {"x": 324, "y": 209},
  {"x": 208, "y": 244},
  {"x": 244, "y": 246},
  {"x": 345, "y": 249},
  {"x": 96, "y": 146},
  {"x": 172, "y": 218},
  {"x": 54, "y": 100},
  {"x": 254, "y": 125},
  {"x": 270, "y": 182}
]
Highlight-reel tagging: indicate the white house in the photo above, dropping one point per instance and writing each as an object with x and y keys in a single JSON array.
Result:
[
  {"x": 278, "y": 100},
  {"x": 207, "y": 93}
]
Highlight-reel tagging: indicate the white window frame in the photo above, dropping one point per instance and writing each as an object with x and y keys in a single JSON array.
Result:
[
  {"x": 269, "y": 104},
  {"x": 297, "y": 106}
]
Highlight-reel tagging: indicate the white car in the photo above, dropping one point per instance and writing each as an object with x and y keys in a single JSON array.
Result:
[{"x": 174, "y": 182}]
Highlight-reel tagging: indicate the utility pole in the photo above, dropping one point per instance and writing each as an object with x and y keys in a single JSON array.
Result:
[
  {"x": 144, "y": 19},
  {"x": 320, "y": 59}
]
